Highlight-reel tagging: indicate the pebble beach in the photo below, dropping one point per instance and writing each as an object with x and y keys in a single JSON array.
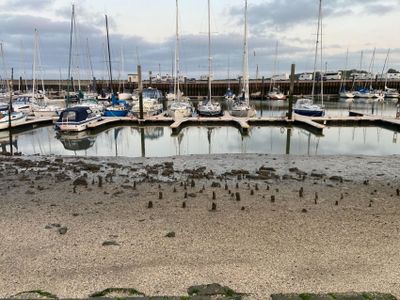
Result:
[{"x": 260, "y": 224}]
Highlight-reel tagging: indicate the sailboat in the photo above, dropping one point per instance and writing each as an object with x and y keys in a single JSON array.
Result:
[
  {"x": 274, "y": 92},
  {"x": 180, "y": 107},
  {"x": 242, "y": 108},
  {"x": 389, "y": 92},
  {"x": 119, "y": 107},
  {"x": 229, "y": 94},
  {"x": 305, "y": 106},
  {"x": 209, "y": 108},
  {"x": 343, "y": 92}
]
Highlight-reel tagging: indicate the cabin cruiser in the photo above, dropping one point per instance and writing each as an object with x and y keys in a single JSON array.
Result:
[
  {"x": 93, "y": 104},
  {"x": 305, "y": 107},
  {"x": 16, "y": 118},
  {"x": 76, "y": 119},
  {"x": 151, "y": 102}
]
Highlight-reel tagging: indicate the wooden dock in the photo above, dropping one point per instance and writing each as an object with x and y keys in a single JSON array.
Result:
[{"x": 316, "y": 125}]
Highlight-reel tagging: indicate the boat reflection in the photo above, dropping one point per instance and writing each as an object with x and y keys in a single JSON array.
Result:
[{"x": 78, "y": 141}]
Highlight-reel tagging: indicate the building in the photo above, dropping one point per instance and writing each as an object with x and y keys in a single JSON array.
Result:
[{"x": 133, "y": 78}]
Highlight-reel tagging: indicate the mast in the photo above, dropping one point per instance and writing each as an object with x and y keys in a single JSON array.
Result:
[
  {"x": 177, "y": 54},
  {"x": 316, "y": 50},
  {"x": 322, "y": 60},
  {"x": 89, "y": 59},
  {"x": 245, "y": 59},
  {"x": 272, "y": 83},
  {"x": 343, "y": 81},
  {"x": 229, "y": 75},
  {"x": 384, "y": 67},
  {"x": 34, "y": 66},
  {"x": 371, "y": 68},
  {"x": 109, "y": 55},
  {"x": 70, "y": 52},
  {"x": 209, "y": 51}
]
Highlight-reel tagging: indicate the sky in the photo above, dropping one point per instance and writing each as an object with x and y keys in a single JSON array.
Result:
[{"x": 143, "y": 32}]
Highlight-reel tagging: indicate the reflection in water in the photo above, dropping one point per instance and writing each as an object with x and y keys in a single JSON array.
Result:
[
  {"x": 76, "y": 141},
  {"x": 141, "y": 142}
]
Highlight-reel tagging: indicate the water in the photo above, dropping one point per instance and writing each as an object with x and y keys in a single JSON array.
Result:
[{"x": 159, "y": 141}]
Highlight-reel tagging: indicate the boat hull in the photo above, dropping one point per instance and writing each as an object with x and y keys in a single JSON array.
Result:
[
  {"x": 115, "y": 113},
  {"x": 247, "y": 113},
  {"x": 76, "y": 126},
  {"x": 16, "y": 119},
  {"x": 309, "y": 113}
]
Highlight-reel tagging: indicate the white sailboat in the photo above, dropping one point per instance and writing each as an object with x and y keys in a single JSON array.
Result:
[
  {"x": 229, "y": 94},
  {"x": 274, "y": 92},
  {"x": 39, "y": 105},
  {"x": 305, "y": 106},
  {"x": 242, "y": 108},
  {"x": 181, "y": 107},
  {"x": 343, "y": 92},
  {"x": 209, "y": 108},
  {"x": 389, "y": 92}
]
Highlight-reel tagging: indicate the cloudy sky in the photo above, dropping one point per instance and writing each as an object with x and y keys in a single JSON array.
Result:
[{"x": 144, "y": 32}]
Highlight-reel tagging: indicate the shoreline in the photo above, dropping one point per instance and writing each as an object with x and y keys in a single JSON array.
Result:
[{"x": 303, "y": 224}]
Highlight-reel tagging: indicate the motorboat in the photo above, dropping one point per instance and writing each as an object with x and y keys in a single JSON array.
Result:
[
  {"x": 16, "y": 118},
  {"x": 151, "y": 102},
  {"x": 93, "y": 104},
  {"x": 46, "y": 111},
  {"x": 305, "y": 107},
  {"x": 276, "y": 94},
  {"x": 23, "y": 104},
  {"x": 76, "y": 119},
  {"x": 125, "y": 96}
]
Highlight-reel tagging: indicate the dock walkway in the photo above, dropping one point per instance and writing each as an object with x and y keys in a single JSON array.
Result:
[{"x": 313, "y": 124}]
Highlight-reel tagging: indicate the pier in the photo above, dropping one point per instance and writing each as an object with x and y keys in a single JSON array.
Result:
[
  {"x": 314, "y": 125},
  {"x": 198, "y": 88}
]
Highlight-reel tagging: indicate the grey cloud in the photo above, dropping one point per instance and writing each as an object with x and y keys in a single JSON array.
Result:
[
  {"x": 283, "y": 14},
  {"x": 23, "y": 4}
]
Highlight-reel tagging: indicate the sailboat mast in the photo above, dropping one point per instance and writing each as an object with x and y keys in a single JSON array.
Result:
[
  {"x": 316, "y": 50},
  {"x": 209, "y": 50},
  {"x": 322, "y": 59},
  {"x": 343, "y": 81},
  {"x": 109, "y": 56},
  {"x": 272, "y": 83},
  {"x": 177, "y": 54},
  {"x": 245, "y": 59},
  {"x": 229, "y": 74},
  {"x": 34, "y": 66},
  {"x": 70, "y": 52},
  {"x": 384, "y": 67}
]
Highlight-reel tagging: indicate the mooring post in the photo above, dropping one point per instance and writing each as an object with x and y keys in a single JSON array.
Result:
[
  {"x": 288, "y": 138},
  {"x": 10, "y": 110},
  {"x": 142, "y": 142},
  {"x": 262, "y": 88},
  {"x": 291, "y": 91},
  {"x": 140, "y": 87}
]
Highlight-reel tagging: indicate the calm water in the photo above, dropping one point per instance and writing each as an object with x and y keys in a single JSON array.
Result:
[{"x": 158, "y": 141}]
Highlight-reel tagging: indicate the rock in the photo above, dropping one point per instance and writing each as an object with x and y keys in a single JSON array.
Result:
[
  {"x": 62, "y": 230},
  {"x": 215, "y": 184},
  {"x": 336, "y": 178},
  {"x": 80, "y": 181},
  {"x": 192, "y": 195},
  {"x": 110, "y": 243},
  {"x": 211, "y": 290},
  {"x": 170, "y": 234},
  {"x": 150, "y": 204}
]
